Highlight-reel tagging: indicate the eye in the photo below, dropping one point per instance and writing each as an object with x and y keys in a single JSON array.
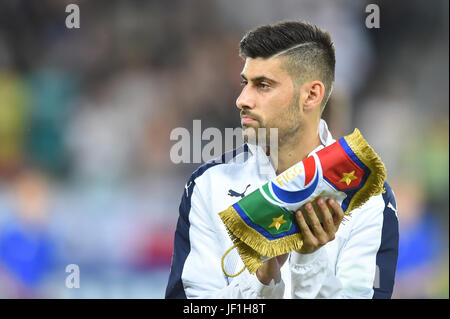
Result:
[
  {"x": 263, "y": 85},
  {"x": 244, "y": 82}
]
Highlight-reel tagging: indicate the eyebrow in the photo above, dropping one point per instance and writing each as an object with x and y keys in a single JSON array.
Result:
[{"x": 259, "y": 79}]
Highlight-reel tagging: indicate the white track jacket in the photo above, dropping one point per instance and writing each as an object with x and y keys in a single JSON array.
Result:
[{"x": 359, "y": 263}]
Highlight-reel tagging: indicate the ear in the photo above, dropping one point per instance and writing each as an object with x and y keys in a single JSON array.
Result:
[{"x": 313, "y": 93}]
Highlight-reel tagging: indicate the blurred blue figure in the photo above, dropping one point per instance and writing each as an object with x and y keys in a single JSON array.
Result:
[
  {"x": 26, "y": 250},
  {"x": 421, "y": 247},
  {"x": 420, "y": 244}
]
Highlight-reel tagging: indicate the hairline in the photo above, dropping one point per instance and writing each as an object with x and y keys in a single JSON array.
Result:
[{"x": 283, "y": 54}]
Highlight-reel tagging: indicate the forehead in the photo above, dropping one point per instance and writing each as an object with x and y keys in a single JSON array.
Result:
[{"x": 270, "y": 68}]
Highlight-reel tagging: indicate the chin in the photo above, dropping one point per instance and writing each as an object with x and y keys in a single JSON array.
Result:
[{"x": 250, "y": 135}]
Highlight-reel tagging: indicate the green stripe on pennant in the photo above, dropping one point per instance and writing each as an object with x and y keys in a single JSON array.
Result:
[
  {"x": 268, "y": 193},
  {"x": 265, "y": 214}
]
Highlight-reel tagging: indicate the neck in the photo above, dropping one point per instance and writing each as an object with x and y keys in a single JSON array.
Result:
[{"x": 296, "y": 148}]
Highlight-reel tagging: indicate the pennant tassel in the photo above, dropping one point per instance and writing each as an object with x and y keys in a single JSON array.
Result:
[
  {"x": 238, "y": 231},
  {"x": 250, "y": 244}
]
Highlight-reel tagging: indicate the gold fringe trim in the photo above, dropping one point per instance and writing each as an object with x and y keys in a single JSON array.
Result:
[
  {"x": 252, "y": 245},
  {"x": 375, "y": 181},
  {"x": 251, "y": 259}
]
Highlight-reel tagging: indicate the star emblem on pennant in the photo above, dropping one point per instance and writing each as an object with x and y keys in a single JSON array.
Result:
[
  {"x": 277, "y": 222},
  {"x": 348, "y": 177}
]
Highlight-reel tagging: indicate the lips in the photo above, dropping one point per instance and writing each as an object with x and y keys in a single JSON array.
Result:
[{"x": 245, "y": 119}]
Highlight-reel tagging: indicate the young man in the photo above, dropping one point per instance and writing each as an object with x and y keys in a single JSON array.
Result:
[{"x": 287, "y": 79}]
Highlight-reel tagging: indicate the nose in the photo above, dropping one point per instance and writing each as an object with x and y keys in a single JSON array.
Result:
[{"x": 245, "y": 99}]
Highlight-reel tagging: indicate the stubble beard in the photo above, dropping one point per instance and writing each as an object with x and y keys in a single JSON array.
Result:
[{"x": 288, "y": 126}]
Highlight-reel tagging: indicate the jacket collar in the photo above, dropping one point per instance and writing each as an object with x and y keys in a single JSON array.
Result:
[
  {"x": 324, "y": 134},
  {"x": 263, "y": 160}
]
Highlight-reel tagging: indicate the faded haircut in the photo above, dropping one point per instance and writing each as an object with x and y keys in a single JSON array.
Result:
[{"x": 307, "y": 51}]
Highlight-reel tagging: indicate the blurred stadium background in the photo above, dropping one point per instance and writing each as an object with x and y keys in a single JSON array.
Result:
[{"x": 85, "y": 118}]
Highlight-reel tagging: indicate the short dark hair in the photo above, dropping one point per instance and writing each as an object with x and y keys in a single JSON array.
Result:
[{"x": 308, "y": 49}]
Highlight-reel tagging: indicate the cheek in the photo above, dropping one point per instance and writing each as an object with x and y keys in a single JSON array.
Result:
[{"x": 278, "y": 109}]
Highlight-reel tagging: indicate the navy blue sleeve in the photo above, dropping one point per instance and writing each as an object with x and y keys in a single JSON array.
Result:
[
  {"x": 388, "y": 252},
  {"x": 182, "y": 246}
]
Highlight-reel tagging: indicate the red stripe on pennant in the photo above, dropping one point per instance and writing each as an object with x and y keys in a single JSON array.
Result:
[
  {"x": 335, "y": 162},
  {"x": 310, "y": 168}
]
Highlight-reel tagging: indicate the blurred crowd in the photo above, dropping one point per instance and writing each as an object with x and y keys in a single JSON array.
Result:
[{"x": 86, "y": 114}]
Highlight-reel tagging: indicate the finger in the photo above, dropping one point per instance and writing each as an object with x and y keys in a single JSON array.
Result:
[
  {"x": 304, "y": 228},
  {"x": 317, "y": 228},
  {"x": 327, "y": 217},
  {"x": 282, "y": 259},
  {"x": 338, "y": 213}
]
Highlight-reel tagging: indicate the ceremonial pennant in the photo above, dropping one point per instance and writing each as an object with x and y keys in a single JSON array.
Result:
[{"x": 262, "y": 224}]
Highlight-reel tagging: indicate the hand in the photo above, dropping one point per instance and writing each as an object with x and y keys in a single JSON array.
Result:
[
  {"x": 318, "y": 235},
  {"x": 270, "y": 269}
]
